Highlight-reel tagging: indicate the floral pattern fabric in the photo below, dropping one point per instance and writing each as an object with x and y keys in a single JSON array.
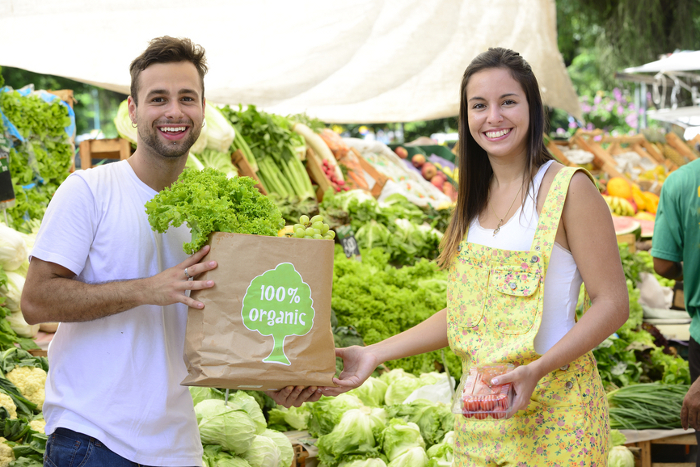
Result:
[{"x": 494, "y": 311}]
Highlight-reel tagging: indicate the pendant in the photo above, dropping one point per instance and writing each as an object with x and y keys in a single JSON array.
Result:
[{"x": 498, "y": 228}]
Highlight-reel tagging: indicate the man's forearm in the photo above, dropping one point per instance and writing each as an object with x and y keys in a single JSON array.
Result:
[
  {"x": 668, "y": 269},
  {"x": 69, "y": 300}
]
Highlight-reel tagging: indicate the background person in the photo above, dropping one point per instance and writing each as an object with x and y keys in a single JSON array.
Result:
[
  {"x": 526, "y": 233},
  {"x": 113, "y": 393},
  {"x": 676, "y": 244}
]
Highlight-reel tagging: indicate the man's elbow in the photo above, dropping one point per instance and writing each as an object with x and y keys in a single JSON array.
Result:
[{"x": 30, "y": 310}]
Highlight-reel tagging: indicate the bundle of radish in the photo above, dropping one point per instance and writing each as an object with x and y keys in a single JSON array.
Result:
[
  {"x": 329, "y": 171},
  {"x": 347, "y": 158},
  {"x": 321, "y": 149}
]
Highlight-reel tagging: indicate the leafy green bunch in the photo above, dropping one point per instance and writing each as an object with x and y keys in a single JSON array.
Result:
[
  {"x": 381, "y": 301},
  {"x": 40, "y": 163},
  {"x": 207, "y": 201}
]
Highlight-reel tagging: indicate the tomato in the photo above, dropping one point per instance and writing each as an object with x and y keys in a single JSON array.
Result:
[
  {"x": 481, "y": 415},
  {"x": 471, "y": 405},
  {"x": 501, "y": 401},
  {"x": 488, "y": 402},
  {"x": 498, "y": 414}
]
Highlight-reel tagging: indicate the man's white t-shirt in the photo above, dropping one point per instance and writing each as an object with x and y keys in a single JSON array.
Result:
[{"x": 117, "y": 378}]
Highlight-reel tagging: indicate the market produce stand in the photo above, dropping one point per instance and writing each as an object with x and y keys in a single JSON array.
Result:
[{"x": 642, "y": 441}]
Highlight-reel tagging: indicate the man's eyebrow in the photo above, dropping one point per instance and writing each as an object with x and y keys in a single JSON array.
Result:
[
  {"x": 477, "y": 98},
  {"x": 166, "y": 92}
]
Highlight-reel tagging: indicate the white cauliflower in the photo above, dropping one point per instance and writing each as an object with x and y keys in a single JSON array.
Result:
[
  {"x": 38, "y": 425},
  {"x": 30, "y": 381},
  {"x": 6, "y": 454},
  {"x": 7, "y": 402}
]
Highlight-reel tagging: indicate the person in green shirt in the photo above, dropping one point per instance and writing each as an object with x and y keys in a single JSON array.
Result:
[{"x": 676, "y": 252}]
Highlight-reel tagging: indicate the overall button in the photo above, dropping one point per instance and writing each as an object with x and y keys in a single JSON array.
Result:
[
  {"x": 537, "y": 248},
  {"x": 513, "y": 285},
  {"x": 459, "y": 247},
  {"x": 565, "y": 367},
  {"x": 569, "y": 385},
  {"x": 535, "y": 259}
]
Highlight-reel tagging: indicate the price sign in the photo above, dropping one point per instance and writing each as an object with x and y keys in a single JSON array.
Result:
[
  {"x": 7, "y": 192},
  {"x": 347, "y": 239}
]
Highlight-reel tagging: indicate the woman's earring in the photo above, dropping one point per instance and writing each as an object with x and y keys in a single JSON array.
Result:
[
  {"x": 204, "y": 123},
  {"x": 133, "y": 125}
]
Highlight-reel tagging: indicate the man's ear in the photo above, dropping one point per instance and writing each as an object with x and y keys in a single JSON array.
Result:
[{"x": 132, "y": 109}]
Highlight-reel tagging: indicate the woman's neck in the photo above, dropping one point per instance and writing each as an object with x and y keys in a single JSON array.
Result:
[{"x": 508, "y": 171}]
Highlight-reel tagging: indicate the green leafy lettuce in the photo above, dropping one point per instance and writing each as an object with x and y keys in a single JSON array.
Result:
[{"x": 207, "y": 201}]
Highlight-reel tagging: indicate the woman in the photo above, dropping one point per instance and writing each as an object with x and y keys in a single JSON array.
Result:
[{"x": 514, "y": 280}]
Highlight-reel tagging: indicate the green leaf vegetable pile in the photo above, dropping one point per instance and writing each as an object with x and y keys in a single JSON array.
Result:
[
  {"x": 381, "y": 301},
  {"x": 207, "y": 201},
  {"x": 40, "y": 163}
]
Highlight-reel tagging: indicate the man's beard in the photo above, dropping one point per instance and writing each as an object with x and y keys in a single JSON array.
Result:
[{"x": 169, "y": 149}]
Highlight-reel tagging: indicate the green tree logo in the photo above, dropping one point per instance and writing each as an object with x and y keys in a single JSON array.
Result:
[{"x": 278, "y": 303}]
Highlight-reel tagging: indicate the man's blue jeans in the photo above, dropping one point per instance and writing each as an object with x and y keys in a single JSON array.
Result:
[{"x": 67, "y": 448}]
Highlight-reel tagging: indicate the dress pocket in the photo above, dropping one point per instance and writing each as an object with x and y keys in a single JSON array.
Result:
[
  {"x": 513, "y": 299},
  {"x": 560, "y": 389}
]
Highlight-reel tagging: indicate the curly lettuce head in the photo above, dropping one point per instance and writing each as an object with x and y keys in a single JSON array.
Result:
[{"x": 207, "y": 201}]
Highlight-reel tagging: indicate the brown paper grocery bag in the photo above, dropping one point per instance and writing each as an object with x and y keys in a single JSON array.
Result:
[{"x": 266, "y": 323}]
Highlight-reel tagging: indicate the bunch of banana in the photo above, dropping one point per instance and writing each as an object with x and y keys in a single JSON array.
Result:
[{"x": 619, "y": 206}]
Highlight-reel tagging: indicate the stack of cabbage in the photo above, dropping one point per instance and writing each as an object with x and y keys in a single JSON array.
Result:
[
  {"x": 235, "y": 434},
  {"x": 14, "y": 253},
  {"x": 374, "y": 426}
]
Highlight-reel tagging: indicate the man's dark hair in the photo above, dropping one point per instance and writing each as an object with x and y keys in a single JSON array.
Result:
[{"x": 167, "y": 49}]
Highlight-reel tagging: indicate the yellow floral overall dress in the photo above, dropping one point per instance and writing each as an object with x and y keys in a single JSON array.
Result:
[{"x": 494, "y": 311}]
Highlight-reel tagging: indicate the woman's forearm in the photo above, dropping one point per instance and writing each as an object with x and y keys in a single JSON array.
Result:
[{"x": 427, "y": 336}]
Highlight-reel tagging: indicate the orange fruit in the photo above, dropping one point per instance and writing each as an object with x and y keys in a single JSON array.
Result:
[{"x": 618, "y": 186}]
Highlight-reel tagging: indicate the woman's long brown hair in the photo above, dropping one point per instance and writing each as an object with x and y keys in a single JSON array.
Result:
[{"x": 475, "y": 172}]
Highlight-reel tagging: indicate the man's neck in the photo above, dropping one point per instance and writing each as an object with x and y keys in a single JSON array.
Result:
[{"x": 156, "y": 171}]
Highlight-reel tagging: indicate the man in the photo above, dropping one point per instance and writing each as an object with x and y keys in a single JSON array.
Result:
[
  {"x": 676, "y": 252},
  {"x": 113, "y": 394}
]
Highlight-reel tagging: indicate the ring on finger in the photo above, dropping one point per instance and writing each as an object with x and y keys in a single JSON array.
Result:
[{"x": 187, "y": 275}]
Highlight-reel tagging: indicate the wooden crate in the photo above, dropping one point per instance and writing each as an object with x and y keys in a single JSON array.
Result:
[
  {"x": 246, "y": 170},
  {"x": 316, "y": 174},
  {"x": 117, "y": 148},
  {"x": 375, "y": 179},
  {"x": 642, "y": 450}
]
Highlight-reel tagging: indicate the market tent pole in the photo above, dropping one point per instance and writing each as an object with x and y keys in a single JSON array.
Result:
[{"x": 348, "y": 61}]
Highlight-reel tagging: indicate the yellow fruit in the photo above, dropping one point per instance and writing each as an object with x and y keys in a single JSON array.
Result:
[
  {"x": 645, "y": 216},
  {"x": 651, "y": 201},
  {"x": 638, "y": 198},
  {"x": 618, "y": 186},
  {"x": 287, "y": 231}
]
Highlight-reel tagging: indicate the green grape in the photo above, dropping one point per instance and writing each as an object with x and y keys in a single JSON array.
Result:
[
  {"x": 310, "y": 232},
  {"x": 317, "y": 218},
  {"x": 298, "y": 226},
  {"x": 318, "y": 237},
  {"x": 316, "y": 231},
  {"x": 300, "y": 232},
  {"x": 304, "y": 219},
  {"x": 324, "y": 229},
  {"x": 331, "y": 233},
  {"x": 317, "y": 225},
  {"x": 327, "y": 237}
]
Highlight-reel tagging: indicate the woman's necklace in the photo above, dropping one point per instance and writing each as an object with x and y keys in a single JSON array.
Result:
[{"x": 500, "y": 219}]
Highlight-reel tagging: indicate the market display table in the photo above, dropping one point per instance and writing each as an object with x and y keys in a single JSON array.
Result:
[{"x": 644, "y": 439}]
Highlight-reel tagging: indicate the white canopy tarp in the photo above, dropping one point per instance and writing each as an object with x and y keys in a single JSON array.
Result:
[
  {"x": 341, "y": 61},
  {"x": 680, "y": 61}
]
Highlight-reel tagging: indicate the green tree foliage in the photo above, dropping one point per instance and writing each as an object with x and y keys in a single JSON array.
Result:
[{"x": 600, "y": 37}]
